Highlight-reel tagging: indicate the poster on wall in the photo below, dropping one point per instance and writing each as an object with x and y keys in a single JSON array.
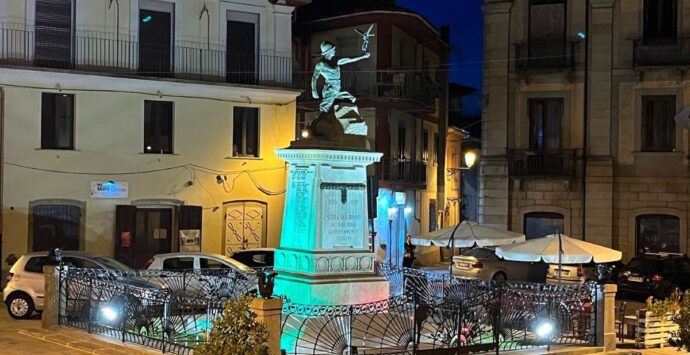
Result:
[{"x": 190, "y": 240}]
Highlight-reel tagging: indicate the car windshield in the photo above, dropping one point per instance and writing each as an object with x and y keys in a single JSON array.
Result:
[
  {"x": 479, "y": 253},
  {"x": 113, "y": 264}
]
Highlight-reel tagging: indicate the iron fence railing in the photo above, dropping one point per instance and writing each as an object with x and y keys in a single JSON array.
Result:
[
  {"x": 399, "y": 170},
  {"x": 662, "y": 52},
  {"x": 379, "y": 84},
  {"x": 537, "y": 55},
  {"x": 108, "y": 53},
  {"x": 525, "y": 162},
  {"x": 166, "y": 310}
]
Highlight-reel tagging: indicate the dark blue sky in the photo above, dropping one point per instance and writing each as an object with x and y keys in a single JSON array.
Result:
[{"x": 466, "y": 27}]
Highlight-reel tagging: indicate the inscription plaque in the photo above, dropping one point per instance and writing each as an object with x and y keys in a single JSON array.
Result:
[{"x": 342, "y": 225}]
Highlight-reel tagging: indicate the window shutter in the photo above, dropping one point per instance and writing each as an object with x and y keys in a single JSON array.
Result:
[
  {"x": 125, "y": 237},
  {"x": 190, "y": 218}
]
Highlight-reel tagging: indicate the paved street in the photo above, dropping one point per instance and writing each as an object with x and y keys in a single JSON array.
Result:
[{"x": 27, "y": 337}]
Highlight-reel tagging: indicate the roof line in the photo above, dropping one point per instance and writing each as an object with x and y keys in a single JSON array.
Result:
[{"x": 401, "y": 12}]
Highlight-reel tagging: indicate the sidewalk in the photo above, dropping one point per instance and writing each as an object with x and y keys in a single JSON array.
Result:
[{"x": 27, "y": 337}]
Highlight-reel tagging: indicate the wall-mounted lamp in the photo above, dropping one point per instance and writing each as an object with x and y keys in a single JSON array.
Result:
[{"x": 305, "y": 133}]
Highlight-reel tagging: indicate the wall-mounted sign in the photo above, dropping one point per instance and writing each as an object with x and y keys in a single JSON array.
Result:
[
  {"x": 400, "y": 198},
  {"x": 190, "y": 240},
  {"x": 109, "y": 189}
]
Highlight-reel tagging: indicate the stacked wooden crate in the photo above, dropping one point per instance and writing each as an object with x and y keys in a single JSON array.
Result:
[{"x": 653, "y": 330}]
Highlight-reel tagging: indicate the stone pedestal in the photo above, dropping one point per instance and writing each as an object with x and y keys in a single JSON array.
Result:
[
  {"x": 606, "y": 317},
  {"x": 269, "y": 312},
  {"x": 324, "y": 256}
]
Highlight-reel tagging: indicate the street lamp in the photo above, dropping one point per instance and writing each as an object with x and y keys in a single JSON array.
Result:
[
  {"x": 392, "y": 215},
  {"x": 470, "y": 158}
]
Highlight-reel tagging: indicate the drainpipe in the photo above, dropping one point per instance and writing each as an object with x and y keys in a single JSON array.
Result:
[{"x": 585, "y": 125}]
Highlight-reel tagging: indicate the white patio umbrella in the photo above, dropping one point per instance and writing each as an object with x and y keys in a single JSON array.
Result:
[
  {"x": 468, "y": 234},
  {"x": 573, "y": 251}
]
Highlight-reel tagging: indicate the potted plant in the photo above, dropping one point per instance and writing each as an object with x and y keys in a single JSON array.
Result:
[{"x": 236, "y": 332}]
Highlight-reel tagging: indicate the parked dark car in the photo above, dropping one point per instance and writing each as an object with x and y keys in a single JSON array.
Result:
[
  {"x": 255, "y": 258},
  {"x": 654, "y": 274}
]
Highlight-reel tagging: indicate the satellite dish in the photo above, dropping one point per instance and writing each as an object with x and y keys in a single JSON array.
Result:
[{"x": 683, "y": 118}]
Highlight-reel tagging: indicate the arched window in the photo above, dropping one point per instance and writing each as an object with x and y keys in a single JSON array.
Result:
[
  {"x": 540, "y": 224},
  {"x": 657, "y": 233}
]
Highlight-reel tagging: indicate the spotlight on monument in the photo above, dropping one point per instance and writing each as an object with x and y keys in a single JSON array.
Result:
[
  {"x": 305, "y": 133},
  {"x": 392, "y": 214},
  {"x": 544, "y": 329},
  {"x": 408, "y": 211}
]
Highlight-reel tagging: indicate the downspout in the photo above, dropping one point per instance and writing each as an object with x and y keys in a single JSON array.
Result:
[{"x": 585, "y": 125}]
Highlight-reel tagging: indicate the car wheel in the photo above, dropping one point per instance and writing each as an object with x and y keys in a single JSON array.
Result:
[
  {"x": 20, "y": 306},
  {"x": 500, "y": 277}
]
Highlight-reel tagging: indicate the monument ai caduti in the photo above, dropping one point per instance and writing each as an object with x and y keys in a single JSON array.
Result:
[{"x": 324, "y": 256}]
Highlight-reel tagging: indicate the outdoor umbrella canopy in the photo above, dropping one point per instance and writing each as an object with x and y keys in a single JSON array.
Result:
[
  {"x": 574, "y": 251},
  {"x": 468, "y": 234}
]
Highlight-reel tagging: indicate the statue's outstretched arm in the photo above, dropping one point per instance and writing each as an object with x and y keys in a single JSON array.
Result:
[
  {"x": 314, "y": 81},
  {"x": 342, "y": 61}
]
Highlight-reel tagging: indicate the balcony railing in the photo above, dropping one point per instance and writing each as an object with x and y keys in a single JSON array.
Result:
[
  {"x": 669, "y": 52},
  {"x": 559, "y": 163},
  {"x": 97, "y": 52},
  {"x": 545, "y": 55},
  {"x": 380, "y": 84},
  {"x": 400, "y": 171}
]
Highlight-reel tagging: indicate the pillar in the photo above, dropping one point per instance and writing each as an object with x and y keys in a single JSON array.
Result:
[
  {"x": 606, "y": 317},
  {"x": 51, "y": 306},
  {"x": 269, "y": 312}
]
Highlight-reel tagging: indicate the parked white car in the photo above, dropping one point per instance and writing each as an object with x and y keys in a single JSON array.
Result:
[
  {"x": 204, "y": 274},
  {"x": 24, "y": 292}
]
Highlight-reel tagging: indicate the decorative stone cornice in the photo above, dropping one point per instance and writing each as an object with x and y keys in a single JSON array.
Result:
[
  {"x": 497, "y": 6},
  {"x": 600, "y": 4},
  {"x": 342, "y": 157},
  {"x": 331, "y": 263}
]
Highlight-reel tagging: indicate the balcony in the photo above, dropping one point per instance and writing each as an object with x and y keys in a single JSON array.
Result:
[
  {"x": 546, "y": 55},
  {"x": 101, "y": 52},
  {"x": 384, "y": 84},
  {"x": 669, "y": 52},
  {"x": 395, "y": 171},
  {"x": 559, "y": 163}
]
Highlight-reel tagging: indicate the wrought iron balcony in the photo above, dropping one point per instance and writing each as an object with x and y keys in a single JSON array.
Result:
[
  {"x": 102, "y": 52},
  {"x": 545, "y": 55},
  {"x": 381, "y": 84},
  {"x": 661, "y": 52},
  {"x": 402, "y": 171},
  {"x": 560, "y": 163}
]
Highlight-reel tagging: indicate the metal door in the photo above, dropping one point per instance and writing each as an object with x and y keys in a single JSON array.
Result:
[{"x": 245, "y": 225}]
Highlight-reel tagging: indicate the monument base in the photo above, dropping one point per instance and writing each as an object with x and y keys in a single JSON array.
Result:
[{"x": 332, "y": 289}]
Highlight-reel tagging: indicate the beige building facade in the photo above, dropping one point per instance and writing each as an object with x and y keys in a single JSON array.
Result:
[
  {"x": 556, "y": 118},
  {"x": 144, "y": 127}
]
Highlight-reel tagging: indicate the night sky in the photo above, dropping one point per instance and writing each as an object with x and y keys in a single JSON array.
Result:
[{"x": 466, "y": 26}]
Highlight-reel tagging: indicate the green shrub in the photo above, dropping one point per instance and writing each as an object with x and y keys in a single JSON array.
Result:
[{"x": 236, "y": 332}]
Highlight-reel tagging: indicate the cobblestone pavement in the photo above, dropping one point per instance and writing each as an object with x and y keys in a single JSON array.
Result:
[{"x": 27, "y": 337}]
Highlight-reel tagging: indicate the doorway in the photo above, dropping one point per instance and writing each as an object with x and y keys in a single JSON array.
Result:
[{"x": 155, "y": 42}]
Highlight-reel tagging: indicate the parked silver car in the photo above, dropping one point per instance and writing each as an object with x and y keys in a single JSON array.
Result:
[{"x": 482, "y": 263}]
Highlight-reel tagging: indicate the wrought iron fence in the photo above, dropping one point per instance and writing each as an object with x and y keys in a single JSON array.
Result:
[
  {"x": 550, "y": 55},
  {"x": 661, "y": 52},
  {"x": 430, "y": 313},
  {"x": 109, "y": 53},
  {"x": 166, "y": 310},
  {"x": 542, "y": 163}
]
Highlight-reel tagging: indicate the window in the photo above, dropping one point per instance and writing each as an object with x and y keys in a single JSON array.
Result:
[
  {"x": 245, "y": 132},
  {"x": 80, "y": 263},
  {"x": 545, "y": 124},
  {"x": 53, "y": 33},
  {"x": 35, "y": 264},
  {"x": 242, "y": 41},
  {"x": 57, "y": 121},
  {"x": 547, "y": 32},
  {"x": 432, "y": 215},
  {"x": 658, "y": 233},
  {"x": 425, "y": 145},
  {"x": 55, "y": 226},
  {"x": 540, "y": 224},
  {"x": 205, "y": 263},
  {"x": 436, "y": 148},
  {"x": 158, "y": 127},
  {"x": 178, "y": 264},
  {"x": 658, "y": 125},
  {"x": 401, "y": 141},
  {"x": 660, "y": 21},
  {"x": 156, "y": 24}
]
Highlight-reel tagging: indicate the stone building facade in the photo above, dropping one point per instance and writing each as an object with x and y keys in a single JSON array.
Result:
[{"x": 543, "y": 92}]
